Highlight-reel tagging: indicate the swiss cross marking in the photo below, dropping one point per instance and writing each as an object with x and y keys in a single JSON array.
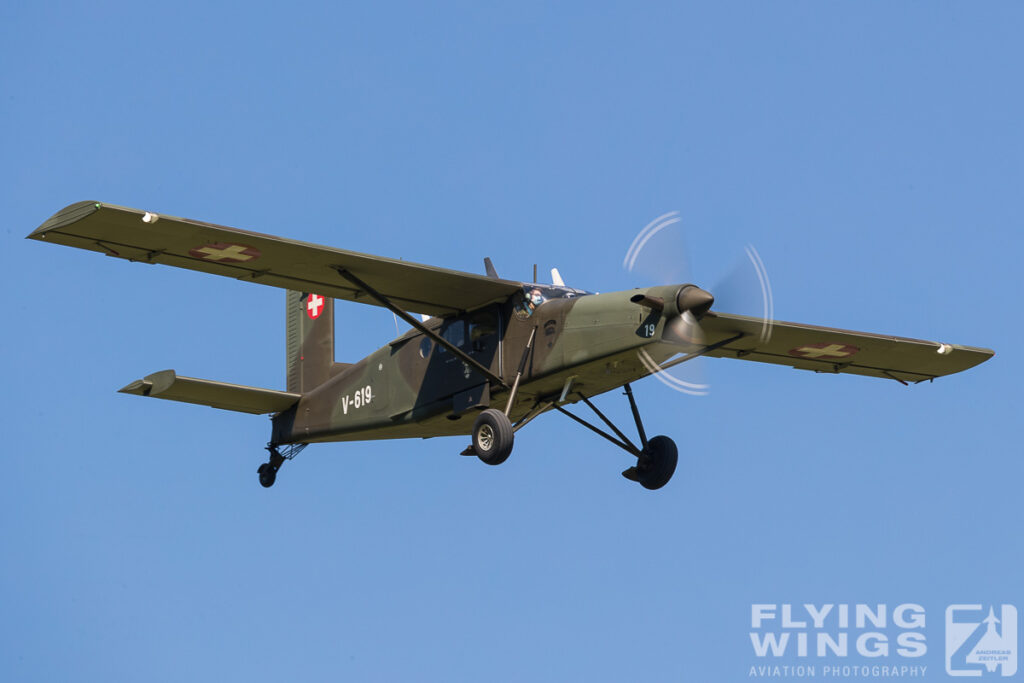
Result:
[
  {"x": 824, "y": 351},
  {"x": 314, "y": 306},
  {"x": 223, "y": 252}
]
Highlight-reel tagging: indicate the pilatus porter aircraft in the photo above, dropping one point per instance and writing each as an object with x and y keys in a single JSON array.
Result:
[{"x": 485, "y": 356}]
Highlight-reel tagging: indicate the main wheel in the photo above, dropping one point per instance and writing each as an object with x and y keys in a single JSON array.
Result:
[
  {"x": 493, "y": 436},
  {"x": 658, "y": 463},
  {"x": 268, "y": 475}
]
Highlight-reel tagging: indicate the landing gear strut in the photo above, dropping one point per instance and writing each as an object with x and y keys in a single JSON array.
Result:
[
  {"x": 656, "y": 458},
  {"x": 268, "y": 470},
  {"x": 493, "y": 433}
]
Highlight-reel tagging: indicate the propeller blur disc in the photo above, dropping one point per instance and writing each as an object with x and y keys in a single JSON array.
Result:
[{"x": 659, "y": 251}]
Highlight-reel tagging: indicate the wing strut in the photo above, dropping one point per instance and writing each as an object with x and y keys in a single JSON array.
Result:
[
  {"x": 386, "y": 303},
  {"x": 696, "y": 354}
]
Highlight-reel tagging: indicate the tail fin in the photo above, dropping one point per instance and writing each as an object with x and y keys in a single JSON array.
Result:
[{"x": 310, "y": 341}]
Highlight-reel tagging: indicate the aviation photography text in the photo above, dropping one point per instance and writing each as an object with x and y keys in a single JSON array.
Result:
[{"x": 838, "y": 641}]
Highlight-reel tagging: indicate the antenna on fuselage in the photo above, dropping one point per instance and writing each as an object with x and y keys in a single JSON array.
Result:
[{"x": 534, "y": 273}]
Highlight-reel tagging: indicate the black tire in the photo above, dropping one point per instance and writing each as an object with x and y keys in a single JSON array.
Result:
[
  {"x": 658, "y": 463},
  {"x": 268, "y": 475},
  {"x": 493, "y": 436}
]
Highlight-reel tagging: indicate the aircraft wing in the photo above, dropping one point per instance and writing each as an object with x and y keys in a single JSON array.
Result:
[
  {"x": 824, "y": 349},
  {"x": 157, "y": 238}
]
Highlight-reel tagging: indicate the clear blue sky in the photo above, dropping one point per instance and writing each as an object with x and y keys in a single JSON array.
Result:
[{"x": 873, "y": 152}]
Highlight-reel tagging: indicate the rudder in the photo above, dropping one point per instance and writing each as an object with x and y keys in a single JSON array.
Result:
[{"x": 310, "y": 341}]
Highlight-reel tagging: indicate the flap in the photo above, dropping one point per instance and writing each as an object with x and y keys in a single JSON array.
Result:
[
  {"x": 166, "y": 384},
  {"x": 156, "y": 238}
]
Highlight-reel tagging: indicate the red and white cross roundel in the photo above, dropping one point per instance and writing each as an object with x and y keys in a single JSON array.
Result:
[
  {"x": 314, "y": 306},
  {"x": 824, "y": 351}
]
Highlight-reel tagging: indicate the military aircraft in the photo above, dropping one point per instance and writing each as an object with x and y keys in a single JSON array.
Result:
[{"x": 485, "y": 357}]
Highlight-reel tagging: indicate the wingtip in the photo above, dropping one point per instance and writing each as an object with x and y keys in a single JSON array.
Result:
[
  {"x": 139, "y": 387},
  {"x": 157, "y": 381},
  {"x": 69, "y": 214}
]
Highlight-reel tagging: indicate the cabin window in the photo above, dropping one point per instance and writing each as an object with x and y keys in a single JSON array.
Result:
[
  {"x": 483, "y": 327},
  {"x": 454, "y": 333}
]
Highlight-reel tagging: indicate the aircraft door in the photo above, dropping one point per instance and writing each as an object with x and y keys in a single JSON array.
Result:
[
  {"x": 446, "y": 373},
  {"x": 437, "y": 374}
]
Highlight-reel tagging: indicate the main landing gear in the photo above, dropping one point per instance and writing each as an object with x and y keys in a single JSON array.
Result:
[
  {"x": 493, "y": 436},
  {"x": 278, "y": 454},
  {"x": 655, "y": 465},
  {"x": 656, "y": 458}
]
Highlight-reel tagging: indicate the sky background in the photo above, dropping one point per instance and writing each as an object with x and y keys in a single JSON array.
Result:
[{"x": 873, "y": 152}]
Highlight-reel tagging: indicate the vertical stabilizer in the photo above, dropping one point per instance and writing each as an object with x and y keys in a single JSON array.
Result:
[{"x": 310, "y": 331}]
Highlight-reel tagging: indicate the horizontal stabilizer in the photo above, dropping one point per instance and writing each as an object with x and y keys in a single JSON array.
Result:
[{"x": 166, "y": 384}]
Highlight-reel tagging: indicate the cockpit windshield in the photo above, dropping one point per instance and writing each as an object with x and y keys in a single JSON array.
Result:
[{"x": 535, "y": 295}]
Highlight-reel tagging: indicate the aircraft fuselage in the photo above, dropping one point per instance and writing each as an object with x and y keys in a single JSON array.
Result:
[{"x": 414, "y": 387}]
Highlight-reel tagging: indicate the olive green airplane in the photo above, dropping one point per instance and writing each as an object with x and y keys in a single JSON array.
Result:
[{"x": 485, "y": 356}]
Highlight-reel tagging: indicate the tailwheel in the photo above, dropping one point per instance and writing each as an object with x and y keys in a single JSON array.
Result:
[
  {"x": 492, "y": 436},
  {"x": 278, "y": 454},
  {"x": 656, "y": 463}
]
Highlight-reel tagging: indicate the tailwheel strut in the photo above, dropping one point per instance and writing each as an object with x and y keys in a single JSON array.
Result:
[
  {"x": 656, "y": 457},
  {"x": 278, "y": 454}
]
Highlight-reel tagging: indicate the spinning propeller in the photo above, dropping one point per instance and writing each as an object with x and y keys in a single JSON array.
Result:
[{"x": 659, "y": 253}]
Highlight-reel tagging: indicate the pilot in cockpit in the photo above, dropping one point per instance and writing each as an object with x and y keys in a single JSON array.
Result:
[{"x": 533, "y": 298}]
